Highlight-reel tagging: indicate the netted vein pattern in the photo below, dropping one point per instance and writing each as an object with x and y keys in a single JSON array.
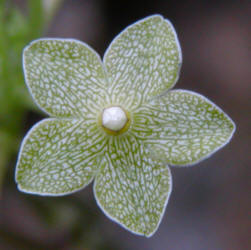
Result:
[{"x": 127, "y": 155}]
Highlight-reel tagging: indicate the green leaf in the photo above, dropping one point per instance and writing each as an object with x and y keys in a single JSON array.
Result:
[
  {"x": 183, "y": 127},
  {"x": 36, "y": 17},
  {"x": 58, "y": 157},
  {"x": 65, "y": 77},
  {"x": 131, "y": 188},
  {"x": 143, "y": 61}
]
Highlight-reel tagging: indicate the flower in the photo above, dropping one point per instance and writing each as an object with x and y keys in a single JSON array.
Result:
[{"x": 115, "y": 122}]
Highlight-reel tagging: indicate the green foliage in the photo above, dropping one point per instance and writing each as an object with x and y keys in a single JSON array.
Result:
[{"x": 16, "y": 30}]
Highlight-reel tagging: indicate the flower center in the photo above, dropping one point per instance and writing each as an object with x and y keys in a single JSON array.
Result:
[{"x": 115, "y": 120}]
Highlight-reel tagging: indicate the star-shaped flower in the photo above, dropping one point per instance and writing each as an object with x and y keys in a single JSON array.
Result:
[{"x": 115, "y": 122}]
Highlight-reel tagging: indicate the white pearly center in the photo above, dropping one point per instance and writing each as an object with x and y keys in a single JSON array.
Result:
[{"x": 114, "y": 118}]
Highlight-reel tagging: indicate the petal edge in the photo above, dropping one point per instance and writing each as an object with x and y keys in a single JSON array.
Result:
[
  {"x": 61, "y": 73},
  {"x": 134, "y": 196},
  {"x": 143, "y": 60},
  {"x": 57, "y": 158},
  {"x": 183, "y": 127}
]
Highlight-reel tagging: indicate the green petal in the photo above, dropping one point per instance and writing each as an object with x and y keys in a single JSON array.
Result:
[
  {"x": 131, "y": 188},
  {"x": 58, "y": 157},
  {"x": 143, "y": 60},
  {"x": 65, "y": 77},
  {"x": 183, "y": 127}
]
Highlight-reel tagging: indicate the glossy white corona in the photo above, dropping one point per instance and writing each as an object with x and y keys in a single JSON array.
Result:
[{"x": 114, "y": 118}]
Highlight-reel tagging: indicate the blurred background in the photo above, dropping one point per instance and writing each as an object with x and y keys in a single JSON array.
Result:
[{"x": 210, "y": 202}]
